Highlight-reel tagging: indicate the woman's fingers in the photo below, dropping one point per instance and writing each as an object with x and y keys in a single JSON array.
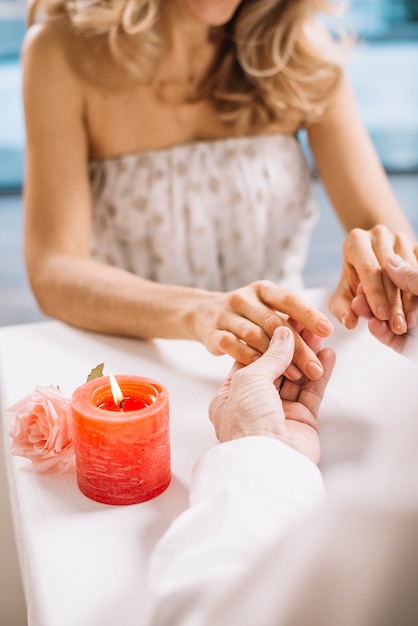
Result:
[
  {"x": 341, "y": 300},
  {"x": 305, "y": 361},
  {"x": 401, "y": 303},
  {"x": 385, "y": 244},
  {"x": 409, "y": 300},
  {"x": 295, "y": 307},
  {"x": 360, "y": 305},
  {"x": 365, "y": 257},
  {"x": 360, "y": 253},
  {"x": 310, "y": 392},
  {"x": 247, "y": 320}
]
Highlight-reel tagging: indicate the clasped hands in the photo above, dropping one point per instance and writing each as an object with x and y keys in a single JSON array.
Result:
[
  {"x": 257, "y": 400},
  {"x": 378, "y": 282},
  {"x": 241, "y": 322}
]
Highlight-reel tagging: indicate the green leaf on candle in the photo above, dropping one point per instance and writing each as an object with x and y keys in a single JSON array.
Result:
[{"x": 96, "y": 372}]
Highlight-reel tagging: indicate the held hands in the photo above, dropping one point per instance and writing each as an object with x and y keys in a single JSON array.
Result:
[
  {"x": 365, "y": 257},
  {"x": 258, "y": 400},
  {"x": 405, "y": 277},
  {"x": 240, "y": 323}
]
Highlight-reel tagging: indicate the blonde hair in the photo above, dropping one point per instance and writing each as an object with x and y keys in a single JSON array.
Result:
[{"x": 275, "y": 61}]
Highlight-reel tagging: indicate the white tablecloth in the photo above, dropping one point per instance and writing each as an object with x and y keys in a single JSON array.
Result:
[{"x": 84, "y": 563}]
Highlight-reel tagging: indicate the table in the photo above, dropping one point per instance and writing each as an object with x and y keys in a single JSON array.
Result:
[{"x": 84, "y": 563}]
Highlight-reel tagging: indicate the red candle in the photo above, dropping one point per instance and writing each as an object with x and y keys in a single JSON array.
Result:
[{"x": 122, "y": 449}]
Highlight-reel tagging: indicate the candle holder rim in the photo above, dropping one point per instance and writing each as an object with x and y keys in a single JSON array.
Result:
[{"x": 115, "y": 416}]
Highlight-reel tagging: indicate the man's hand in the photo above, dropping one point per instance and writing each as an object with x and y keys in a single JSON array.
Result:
[{"x": 258, "y": 400}]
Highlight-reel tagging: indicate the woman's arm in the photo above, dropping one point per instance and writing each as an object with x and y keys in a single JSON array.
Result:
[
  {"x": 367, "y": 208},
  {"x": 350, "y": 169},
  {"x": 72, "y": 287}
]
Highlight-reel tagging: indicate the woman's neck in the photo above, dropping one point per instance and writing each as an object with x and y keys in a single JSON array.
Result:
[
  {"x": 182, "y": 28},
  {"x": 190, "y": 51}
]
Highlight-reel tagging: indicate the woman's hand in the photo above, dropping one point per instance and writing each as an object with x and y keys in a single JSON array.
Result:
[
  {"x": 241, "y": 322},
  {"x": 405, "y": 277},
  {"x": 258, "y": 400},
  {"x": 365, "y": 254}
]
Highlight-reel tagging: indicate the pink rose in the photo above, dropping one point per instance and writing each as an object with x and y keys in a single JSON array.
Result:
[{"x": 40, "y": 429}]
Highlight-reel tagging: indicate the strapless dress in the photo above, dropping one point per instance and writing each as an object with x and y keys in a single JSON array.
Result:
[{"x": 215, "y": 214}]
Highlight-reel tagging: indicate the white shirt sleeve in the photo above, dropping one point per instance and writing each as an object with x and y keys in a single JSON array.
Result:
[
  {"x": 260, "y": 546},
  {"x": 245, "y": 495}
]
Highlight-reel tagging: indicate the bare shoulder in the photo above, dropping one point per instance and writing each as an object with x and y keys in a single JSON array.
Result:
[
  {"x": 47, "y": 55},
  {"x": 55, "y": 50},
  {"x": 46, "y": 42},
  {"x": 56, "y": 46}
]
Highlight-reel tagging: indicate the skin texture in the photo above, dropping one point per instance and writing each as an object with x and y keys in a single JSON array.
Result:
[
  {"x": 257, "y": 400},
  {"x": 80, "y": 105},
  {"x": 405, "y": 277}
]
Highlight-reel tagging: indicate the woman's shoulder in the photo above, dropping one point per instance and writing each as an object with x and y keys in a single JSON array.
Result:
[
  {"x": 51, "y": 36},
  {"x": 55, "y": 45},
  {"x": 48, "y": 47}
]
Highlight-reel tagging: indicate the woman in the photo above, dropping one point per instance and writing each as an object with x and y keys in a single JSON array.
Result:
[{"x": 166, "y": 194}]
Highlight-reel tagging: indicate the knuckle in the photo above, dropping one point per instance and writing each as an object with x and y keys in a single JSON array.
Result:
[
  {"x": 370, "y": 267},
  {"x": 379, "y": 230},
  {"x": 299, "y": 353},
  {"x": 402, "y": 241},
  {"x": 250, "y": 334},
  {"x": 264, "y": 284},
  {"x": 271, "y": 322},
  {"x": 300, "y": 346},
  {"x": 287, "y": 300},
  {"x": 309, "y": 319},
  {"x": 236, "y": 299},
  {"x": 264, "y": 288},
  {"x": 355, "y": 234},
  {"x": 223, "y": 341},
  {"x": 242, "y": 354}
]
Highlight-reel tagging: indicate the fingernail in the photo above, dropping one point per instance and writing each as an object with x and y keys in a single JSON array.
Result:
[
  {"x": 383, "y": 311},
  {"x": 411, "y": 319},
  {"x": 344, "y": 319},
  {"x": 324, "y": 327},
  {"x": 396, "y": 261},
  {"x": 281, "y": 334},
  {"x": 313, "y": 370},
  {"x": 399, "y": 323}
]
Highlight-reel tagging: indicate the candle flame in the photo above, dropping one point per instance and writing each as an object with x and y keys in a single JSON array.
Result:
[{"x": 116, "y": 391}]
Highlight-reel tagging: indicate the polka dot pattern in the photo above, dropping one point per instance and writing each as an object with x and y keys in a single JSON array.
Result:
[{"x": 211, "y": 214}]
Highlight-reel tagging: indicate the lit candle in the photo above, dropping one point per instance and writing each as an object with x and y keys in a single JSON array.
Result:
[{"x": 121, "y": 441}]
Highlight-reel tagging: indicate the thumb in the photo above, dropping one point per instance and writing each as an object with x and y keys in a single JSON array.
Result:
[
  {"x": 404, "y": 275},
  {"x": 277, "y": 357}
]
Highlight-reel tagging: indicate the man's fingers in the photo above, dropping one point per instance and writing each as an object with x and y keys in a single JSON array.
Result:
[
  {"x": 383, "y": 333},
  {"x": 404, "y": 275},
  {"x": 277, "y": 357}
]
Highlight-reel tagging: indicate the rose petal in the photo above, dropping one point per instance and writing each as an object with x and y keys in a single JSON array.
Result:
[{"x": 40, "y": 429}]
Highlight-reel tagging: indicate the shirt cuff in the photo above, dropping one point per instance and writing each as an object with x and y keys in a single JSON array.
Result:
[{"x": 262, "y": 466}]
